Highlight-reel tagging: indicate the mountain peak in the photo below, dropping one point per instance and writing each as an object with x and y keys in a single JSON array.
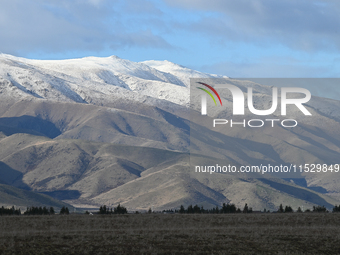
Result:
[{"x": 114, "y": 57}]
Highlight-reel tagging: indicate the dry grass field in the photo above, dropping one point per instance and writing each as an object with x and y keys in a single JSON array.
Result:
[{"x": 308, "y": 233}]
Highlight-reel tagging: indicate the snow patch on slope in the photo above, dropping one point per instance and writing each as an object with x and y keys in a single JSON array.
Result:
[
  {"x": 181, "y": 72},
  {"x": 91, "y": 79},
  {"x": 102, "y": 81}
]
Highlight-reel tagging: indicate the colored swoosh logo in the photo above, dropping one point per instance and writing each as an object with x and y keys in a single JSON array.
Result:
[{"x": 213, "y": 90}]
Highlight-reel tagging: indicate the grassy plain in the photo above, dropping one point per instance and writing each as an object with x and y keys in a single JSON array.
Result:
[{"x": 307, "y": 233}]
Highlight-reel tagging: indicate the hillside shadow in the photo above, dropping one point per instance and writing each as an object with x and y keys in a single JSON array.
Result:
[
  {"x": 63, "y": 194},
  {"x": 12, "y": 177},
  {"x": 318, "y": 189},
  {"x": 298, "y": 193},
  {"x": 303, "y": 183},
  {"x": 222, "y": 142},
  {"x": 28, "y": 125},
  {"x": 175, "y": 120},
  {"x": 22, "y": 88}
]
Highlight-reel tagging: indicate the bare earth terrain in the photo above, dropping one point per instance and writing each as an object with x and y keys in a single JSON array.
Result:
[{"x": 307, "y": 233}]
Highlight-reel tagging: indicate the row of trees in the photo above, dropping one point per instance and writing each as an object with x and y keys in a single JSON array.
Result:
[
  {"x": 32, "y": 211},
  {"x": 9, "y": 211},
  {"x": 336, "y": 208},
  {"x": 39, "y": 211},
  {"x": 64, "y": 210},
  {"x": 116, "y": 210},
  {"x": 226, "y": 208},
  {"x": 231, "y": 208},
  {"x": 45, "y": 211},
  {"x": 319, "y": 209},
  {"x": 289, "y": 209}
]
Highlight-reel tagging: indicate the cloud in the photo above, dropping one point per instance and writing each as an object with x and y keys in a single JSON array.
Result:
[
  {"x": 272, "y": 67},
  {"x": 307, "y": 25},
  {"x": 142, "y": 7},
  {"x": 145, "y": 39},
  {"x": 275, "y": 71},
  {"x": 65, "y": 25},
  {"x": 235, "y": 38}
]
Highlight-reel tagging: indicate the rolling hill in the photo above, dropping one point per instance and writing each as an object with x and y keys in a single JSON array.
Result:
[
  {"x": 98, "y": 131},
  {"x": 22, "y": 199}
]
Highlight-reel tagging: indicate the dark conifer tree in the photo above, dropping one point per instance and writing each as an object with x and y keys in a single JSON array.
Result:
[
  {"x": 336, "y": 208},
  {"x": 281, "y": 210},
  {"x": 245, "y": 209},
  {"x": 64, "y": 210},
  {"x": 181, "y": 209},
  {"x": 190, "y": 209},
  {"x": 288, "y": 209}
]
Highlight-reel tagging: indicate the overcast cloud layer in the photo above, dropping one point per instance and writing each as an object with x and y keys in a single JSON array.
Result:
[
  {"x": 304, "y": 24},
  {"x": 254, "y": 38},
  {"x": 63, "y": 25}
]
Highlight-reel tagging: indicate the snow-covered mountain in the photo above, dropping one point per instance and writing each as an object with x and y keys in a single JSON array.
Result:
[
  {"x": 181, "y": 72},
  {"x": 96, "y": 80},
  {"x": 101, "y": 81},
  {"x": 111, "y": 130}
]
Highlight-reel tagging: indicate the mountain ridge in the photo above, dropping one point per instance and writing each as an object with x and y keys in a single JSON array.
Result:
[{"x": 83, "y": 129}]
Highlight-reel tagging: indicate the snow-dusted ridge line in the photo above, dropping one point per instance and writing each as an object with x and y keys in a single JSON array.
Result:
[
  {"x": 182, "y": 72},
  {"x": 102, "y": 80},
  {"x": 93, "y": 79}
]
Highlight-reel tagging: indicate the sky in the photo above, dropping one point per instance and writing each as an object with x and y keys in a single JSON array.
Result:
[{"x": 243, "y": 38}]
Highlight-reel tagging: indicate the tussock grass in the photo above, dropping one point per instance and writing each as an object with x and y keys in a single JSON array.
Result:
[{"x": 311, "y": 233}]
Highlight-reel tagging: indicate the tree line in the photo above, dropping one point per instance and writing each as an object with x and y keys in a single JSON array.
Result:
[
  {"x": 231, "y": 208},
  {"x": 319, "y": 209},
  {"x": 9, "y": 211},
  {"x": 39, "y": 211},
  {"x": 116, "y": 210},
  {"x": 336, "y": 208},
  {"x": 33, "y": 211},
  {"x": 45, "y": 211},
  {"x": 226, "y": 208}
]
